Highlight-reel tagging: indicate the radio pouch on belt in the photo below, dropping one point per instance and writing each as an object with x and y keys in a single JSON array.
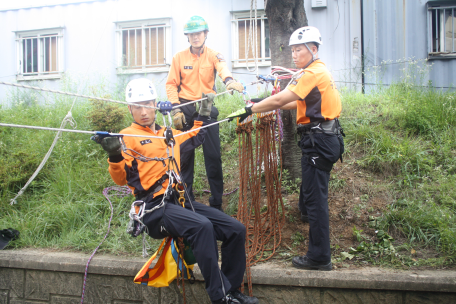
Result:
[{"x": 315, "y": 160}]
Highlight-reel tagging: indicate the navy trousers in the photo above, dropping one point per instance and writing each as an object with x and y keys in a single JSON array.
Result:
[
  {"x": 212, "y": 157},
  {"x": 313, "y": 197},
  {"x": 202, "y": 229}
]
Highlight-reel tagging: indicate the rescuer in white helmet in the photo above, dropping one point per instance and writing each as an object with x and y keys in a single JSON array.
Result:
[
  {"x": 313, "y": 93},
  {"x": 149, "y": 181}
]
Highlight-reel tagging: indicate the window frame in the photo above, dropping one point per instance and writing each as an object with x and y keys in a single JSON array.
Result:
[
  {"x": 241, "y": 63},
  {"x": 40, "y": 34},
  {"x": 439, "y": 27},
  {"x": 143, "y": 24}
]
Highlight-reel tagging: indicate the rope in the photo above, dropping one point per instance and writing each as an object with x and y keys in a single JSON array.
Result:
[
  {"x": 250, "y": 39},
  {"x": 263, "y": 228},
  {"x": 123, "y": 191},
  {"x": 72, "y": 94},
  {"x": 68, "y": 119}
]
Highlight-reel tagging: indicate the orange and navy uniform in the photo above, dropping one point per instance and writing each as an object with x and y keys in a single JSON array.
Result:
[
  {"x": 319, "y": 97},
  {"x": 139, "y": 175},
  {"x": 190, "y": 75}
]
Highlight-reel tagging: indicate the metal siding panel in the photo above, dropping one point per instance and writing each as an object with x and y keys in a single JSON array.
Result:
[{"x": 401, "y": 33}]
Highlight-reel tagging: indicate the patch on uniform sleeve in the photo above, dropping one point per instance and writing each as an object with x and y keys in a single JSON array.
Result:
[
  {"x": 220, "y": 57},
  {"x": 145, "y": 142},
  {"x": 295, "y": 80},
  {"x": 188, "y": 67}
]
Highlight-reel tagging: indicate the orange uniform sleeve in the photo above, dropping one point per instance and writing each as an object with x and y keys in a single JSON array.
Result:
[
  {"x": 221, "y": 66},
  {"x": 117, "y": 171},
  {"x": 173, "y": 81}
]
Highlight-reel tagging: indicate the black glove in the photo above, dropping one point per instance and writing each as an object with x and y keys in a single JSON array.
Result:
[
  {"x": 242, "y": 114},
  {"x": 111, "y": 145},
  {"x": 206, "y": 104}
]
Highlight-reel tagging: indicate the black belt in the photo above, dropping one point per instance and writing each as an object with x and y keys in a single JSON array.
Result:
[
  {"x": 153, "y": 189},
  {"x": 327, "y": 126}
]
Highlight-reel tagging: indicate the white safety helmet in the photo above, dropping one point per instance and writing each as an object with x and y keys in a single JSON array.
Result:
[
  {"x": 305, "y": 34},
  {"x": 139, "y": 90}
]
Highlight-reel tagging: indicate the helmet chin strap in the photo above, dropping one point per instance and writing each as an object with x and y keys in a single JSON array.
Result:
[
  {"x": 200, "y": 47},
  {"x": 314, "y": 57}
]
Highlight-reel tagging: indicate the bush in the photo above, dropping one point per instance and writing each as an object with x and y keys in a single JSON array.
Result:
[{"x": 106, "y": 116}]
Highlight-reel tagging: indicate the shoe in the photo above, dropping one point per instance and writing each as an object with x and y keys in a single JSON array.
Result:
[
  {"x": 218, "y": 207},
  {"x": 304, "y": 262},
  {"x": 226, "y": 300},
  {"x": 242, "y": 298},
  {"x": 304, "y": 218}
]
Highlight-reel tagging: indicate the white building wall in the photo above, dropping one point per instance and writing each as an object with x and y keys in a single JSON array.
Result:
[{"x": 89, "y": 36}]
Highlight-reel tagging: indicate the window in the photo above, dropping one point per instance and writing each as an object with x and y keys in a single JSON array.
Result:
[
  {"x": 144, "y": 46},
  {"x": 240, "y": 29},
  {"x": 442, "y": 29},
  {"x": 40, "y": 54}
]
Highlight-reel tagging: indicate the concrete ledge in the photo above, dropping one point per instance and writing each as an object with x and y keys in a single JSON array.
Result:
[{"x": 264, "y": 274}]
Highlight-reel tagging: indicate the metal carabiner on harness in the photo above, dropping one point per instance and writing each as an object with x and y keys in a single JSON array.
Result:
[{"x": 181, "y": 194}]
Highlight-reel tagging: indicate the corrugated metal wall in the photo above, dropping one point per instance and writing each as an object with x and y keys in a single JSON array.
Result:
[{"x": 395, "y": 38}]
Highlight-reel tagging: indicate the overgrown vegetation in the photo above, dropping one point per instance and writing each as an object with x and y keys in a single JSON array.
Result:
[{"x": 405, "y": 133}]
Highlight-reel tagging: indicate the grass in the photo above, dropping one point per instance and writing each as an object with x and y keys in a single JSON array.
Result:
[
  {"x": 407, "y": 134},
  {"x": 404, "y": 133}
]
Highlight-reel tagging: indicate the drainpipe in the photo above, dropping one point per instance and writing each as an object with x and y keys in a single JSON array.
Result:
[{"x": 362, "y": 47}]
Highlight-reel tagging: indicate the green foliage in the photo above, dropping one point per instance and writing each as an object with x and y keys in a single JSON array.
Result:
[
  {"x": 297, "y": 239},
  {"x": 106, "y": 116},
  {"x": 289, "y": 185}
]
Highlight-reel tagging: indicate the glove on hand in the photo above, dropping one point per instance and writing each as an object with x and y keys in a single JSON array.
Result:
[
  {"x": 206, "y": 104},
  {"x": 111, "y": 145},
  {"x": 178, "y": 118},
  {"x": 234, "y": 85},
  {"x": 241, "y": 113}
]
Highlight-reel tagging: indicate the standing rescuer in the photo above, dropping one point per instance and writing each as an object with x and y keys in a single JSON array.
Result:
[
  {"x": 149, "y": 182},
  {"x": 313, "y": 92},
  {"x": 193, "y": 72}
]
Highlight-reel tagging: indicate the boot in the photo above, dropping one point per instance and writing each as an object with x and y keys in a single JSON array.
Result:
[{"x": 242, "y": 298}]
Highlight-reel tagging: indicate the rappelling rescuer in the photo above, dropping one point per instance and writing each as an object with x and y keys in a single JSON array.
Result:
[{"x": 149, "y": 181}]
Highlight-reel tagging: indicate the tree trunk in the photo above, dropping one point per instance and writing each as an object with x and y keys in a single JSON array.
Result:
[{"x": 286, "y": 16}]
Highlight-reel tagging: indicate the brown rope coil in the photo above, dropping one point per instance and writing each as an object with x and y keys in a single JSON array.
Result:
[{"x": 262, "y": 214}]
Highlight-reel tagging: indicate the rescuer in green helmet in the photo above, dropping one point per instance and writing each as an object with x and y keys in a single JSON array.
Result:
[{"x": 192, "y": 73}]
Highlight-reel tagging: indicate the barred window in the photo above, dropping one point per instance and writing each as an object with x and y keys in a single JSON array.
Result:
[
  {"x": 442, "y": 29},
  {"x": 241, "y": 34},
  {"x": 144, "y": 46},
  {"x": 39, "y": 54}
]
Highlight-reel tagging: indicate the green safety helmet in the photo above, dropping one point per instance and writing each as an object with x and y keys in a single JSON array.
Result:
[{"x": 195, "y": 24}]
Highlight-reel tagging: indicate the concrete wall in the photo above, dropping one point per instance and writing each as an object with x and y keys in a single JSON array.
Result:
[{"x": 36, "y": 276}]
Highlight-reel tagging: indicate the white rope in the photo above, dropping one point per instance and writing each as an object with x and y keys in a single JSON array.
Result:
[
  {"x": 68, "y": 119},
  {"x": 253, "y": 39},
  {"x": 77, "y": 131},
  {"x": 206, "y": 126},
  {"x": 111, "y": 134},
  {"x": 73, "y": 94}
]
